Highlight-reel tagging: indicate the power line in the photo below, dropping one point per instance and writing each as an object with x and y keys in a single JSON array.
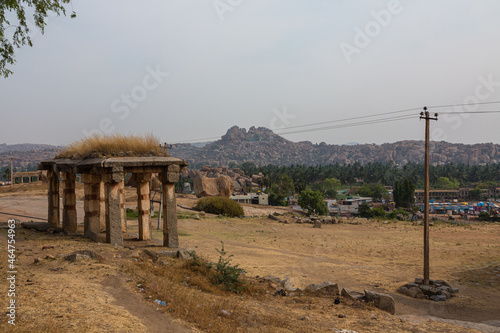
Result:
[
  {"x": 368, "y": 122},
  {"x": 375, "y": 121},
  {"x": 452, "y": 105},
  {"x": 345, "y": 119},
  {"x": 469, "y": 112}
]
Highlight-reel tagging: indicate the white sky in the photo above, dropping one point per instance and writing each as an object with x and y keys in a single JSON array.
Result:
[{"x": 263, "y": 58}]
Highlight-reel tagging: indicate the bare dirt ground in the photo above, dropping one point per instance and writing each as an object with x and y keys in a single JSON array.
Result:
[{"x": 370, "y": 255}]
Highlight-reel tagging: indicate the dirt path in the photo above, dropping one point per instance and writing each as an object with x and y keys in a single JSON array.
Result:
[{"x": 154, "y": 321}]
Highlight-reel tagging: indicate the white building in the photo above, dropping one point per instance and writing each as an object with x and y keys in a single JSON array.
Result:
[
  {"x": 351, "y": 206},
  {"x": 252, "y": 198}
]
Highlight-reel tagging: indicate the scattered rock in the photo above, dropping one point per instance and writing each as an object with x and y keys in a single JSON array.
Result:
[
  {"x": 317, "y": 224},
  {"x": 185, "y": 254},
  {"x": 273, "y": 217},
  {"x": 286, "y": 283},
  {"x": 37, "y": 260},
  {"x": 340, "y": 315},
  {"x": 416, "y": 293},
  {"x": 162, "y": 262},
  {"x": 83, "y": 254},
  {"x": 150, "y": 254},
  {"x": 136, "y": 254},
  {"x": 272, "y": 278},
  {"x": 167, "y": 253}
]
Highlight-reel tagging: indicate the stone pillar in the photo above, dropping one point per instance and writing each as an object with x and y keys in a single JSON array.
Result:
[
  {"x": 69, "y": 202},
  {"x": 169, "y": 208},
  {"x": 143, "y": 205},
  {"x": 91, "y": 225},
  {"x": 102, "y": 205},
  {"x": 122, "y": 206},
  {"x": 114, "y": 234},
  {"x": 53, "y": 196}
]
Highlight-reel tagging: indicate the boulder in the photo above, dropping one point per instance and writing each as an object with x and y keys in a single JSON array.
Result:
[
  {"x": 287, "y": 284},
  {"x": 212, "y": 187},
  {"x": 323, "y": 289},
  {"x": 381, "y": 301},
  {"x": 352, "y": 295}
]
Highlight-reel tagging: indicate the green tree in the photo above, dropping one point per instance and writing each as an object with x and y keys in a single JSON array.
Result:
[
  {"x": 364, "y": 210},
  {"x": 446, "y": 184},
  {"x": 376, "y": 191},
  {"x": 331, "y": 187},
  {"x": 404, "y": 193},
  {"x": 20, "y": 31},
  {"x": 6, "y": 173},
  {"x": 312, "y": 202}
]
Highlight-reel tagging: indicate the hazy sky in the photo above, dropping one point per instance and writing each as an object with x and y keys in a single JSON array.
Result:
[{"x": 190, "y": 69}]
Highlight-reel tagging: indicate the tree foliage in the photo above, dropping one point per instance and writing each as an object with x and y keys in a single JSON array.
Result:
[
  {"x": 404, "y": 193},
  {"x": 312, "y": 202},
  {"x": 376, "y": 191},
  {"x": 446, "y": 184},
  {"x": 14, "y": 22}
]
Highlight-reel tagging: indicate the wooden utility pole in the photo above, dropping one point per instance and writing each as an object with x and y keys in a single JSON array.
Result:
[
  {"x": 11, "y": 172},
  {"x": 425, "y": 115}
]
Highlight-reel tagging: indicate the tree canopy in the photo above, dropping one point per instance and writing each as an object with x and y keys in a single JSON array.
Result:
[
  {"x": 14, "y": 25},
  {"x": 312, "y": 202},
  {"x": 404, "y": 193}
]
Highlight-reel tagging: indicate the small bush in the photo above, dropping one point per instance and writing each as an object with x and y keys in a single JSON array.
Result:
[
  {"x": 220, "y": 205},
  {"x": 398, "y": 214},
  {"x": 226, "y": 274}
]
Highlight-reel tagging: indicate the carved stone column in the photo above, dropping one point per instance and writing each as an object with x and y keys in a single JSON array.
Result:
[{"x": 69, "y": 202}]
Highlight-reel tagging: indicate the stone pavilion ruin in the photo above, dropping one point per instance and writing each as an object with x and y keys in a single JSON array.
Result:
[{"x": 104, "y": 204}]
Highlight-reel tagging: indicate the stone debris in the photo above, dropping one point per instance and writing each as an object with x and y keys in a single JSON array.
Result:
[
  {"x": 83, "y": 254},
  {"x": 274, "y": 217},
  {"x": 437, "y": 290}
]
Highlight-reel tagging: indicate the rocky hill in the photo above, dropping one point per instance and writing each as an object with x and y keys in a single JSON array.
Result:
[
  {"x": 26, "y": 155},
  {"x": 262, "y": 146}
]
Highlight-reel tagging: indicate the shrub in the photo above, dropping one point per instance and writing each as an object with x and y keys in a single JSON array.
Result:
[
  {"x": 399, "y": 214},
  {"x": 220, "y": 205},
  {"x": 226, "y": 274}
]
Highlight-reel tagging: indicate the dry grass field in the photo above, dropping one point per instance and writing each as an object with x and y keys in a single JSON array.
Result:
[{"x": 117, "y": 293}]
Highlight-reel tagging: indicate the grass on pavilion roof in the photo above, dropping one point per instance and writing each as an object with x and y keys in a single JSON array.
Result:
[{"x": 117, "y": 145}]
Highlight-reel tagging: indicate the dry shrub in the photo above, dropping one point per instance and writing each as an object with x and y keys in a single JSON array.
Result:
[{"x": 117, "y": 145}]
